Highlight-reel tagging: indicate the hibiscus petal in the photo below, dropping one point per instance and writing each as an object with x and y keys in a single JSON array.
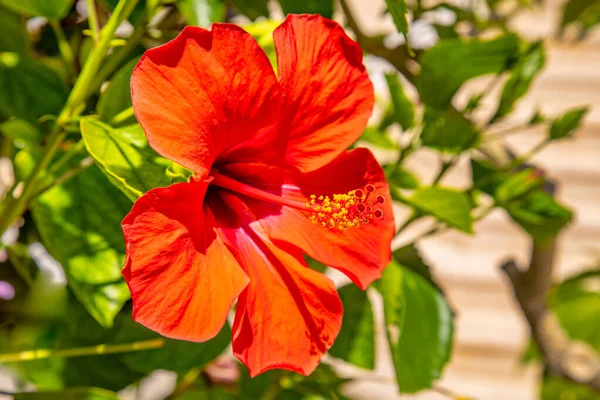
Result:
[
  {"x": 289, "y": 315},
  {"x": 203, "y": 93},
  {"x": 183, "y": 279},
  {"x": 328, "y": 96},
  {"x": 360, "y": 252}
]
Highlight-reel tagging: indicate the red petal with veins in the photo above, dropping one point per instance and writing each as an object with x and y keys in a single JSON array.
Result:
[
  {"x": 183, "y": 279},
  {"x": 360, "y": 252},
  {"x": 289, "y": 315},
  {"x": 328, "y": 97},
  {"x": 203, "y": 93}
]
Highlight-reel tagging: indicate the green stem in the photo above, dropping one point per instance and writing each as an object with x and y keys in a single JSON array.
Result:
[
  {"x": 13, "y": 207},
  {"x": 93, "y": 20},
  {"x": 64, "y": 48},
  {"x": 117, "y": 58},
  {"x": 527, "y": 156},
  {"x": 122, "y": 116},
  {"x": 446, "y": 165},
  {"x": 82, "y": 351}
]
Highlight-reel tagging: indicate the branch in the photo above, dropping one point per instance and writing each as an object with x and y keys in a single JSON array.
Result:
[
  {"x": 397, "y": 56},
  {"x": 575, "y": 361}
]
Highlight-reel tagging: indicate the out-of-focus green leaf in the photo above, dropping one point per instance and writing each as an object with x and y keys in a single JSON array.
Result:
[
  {"x": 447, "y": 205},
  {"x": 51, "y": 9},
  {"x": 404, "y": 110},
  {"x": 518, "y": 184},
  {"x": 448, "y": 131},
  {"x": 125, "y": 155},
  {"x": 527, "y": 68},
  {"x": 30, "y": 89},
  {"x": 262, "y": 31},
  {"x": 554, "y": 388},
  {"x": 563, "y": 126},
  {"x": 202, "y": 12},
  {"x": 540, "y": 215},
  {"x": 356, "y": 340},
  {"x": 69, "y": 394},
  {"x": 117, "y": 96},
  {"x": 445, "y": 67},
  {"x": 79, "y": 222},
  {"x": 138, "y": 12},
  {"x": 419, "y": 327},
  {"x": 378, "y": 138},
  {"x": 22, "y": 133},
  {"x": 401, "y": 178},
  {"x": 585, "y": 12},
  {"x": 409, "y": 257},
  {"x": 13, "y": 34},
  {"x": 485, "y": 177},
  {"x": 399, "y": 13},
  {"x": 252, "y": 8},
  {"x": 175, "y": 355},
  {"x": 323, "y": 7}
]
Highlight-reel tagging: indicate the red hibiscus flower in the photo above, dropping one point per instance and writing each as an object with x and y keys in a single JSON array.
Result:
[{"x": 272, "y": 180}]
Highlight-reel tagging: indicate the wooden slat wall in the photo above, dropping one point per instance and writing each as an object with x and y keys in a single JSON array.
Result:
[{"x": 490, "y": 333}]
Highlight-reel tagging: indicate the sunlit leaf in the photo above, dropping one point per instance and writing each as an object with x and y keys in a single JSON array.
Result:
[
  {"x": 79, "y": 222},
  {"x": 567, "y": 123},
  {"x": 419, "y": 327},
  {"x": 539, "y": 215},
  {"x": 125, "y": 155},
  {"x": 449, "y": 64},
  {"x": 521, "y": 77},
  {"x": 356, "y": 341},
  {"x": 447, "y": 205},
  {"x": 378, "y": 138},
  {"x": 448, "y": 131}
]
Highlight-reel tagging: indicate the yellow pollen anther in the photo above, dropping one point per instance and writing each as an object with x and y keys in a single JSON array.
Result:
[{"x": 345, "y": 210}]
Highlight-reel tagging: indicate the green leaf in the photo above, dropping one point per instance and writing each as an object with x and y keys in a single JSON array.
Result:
[
  {"x": 419, "y": 327},
  {"x": 563, "y": 126},
  {"x": 69, "y": 394},
  {"x": 30, "y": 89},
  {"x": 527, "y": 68},
  {"x": 409, "y": 257},
  {"x": 124, "y": 155},
  {"x": 555, "y": 388},
  {"x": 378, "y": 138},
  {"x": 79, "y": 222},
  {"x": 251, "y": 8},
  {"x": 448, "y": 131},
  {"x": 404, "y": 110},
  {"x": 585, "y": 12},
  {"x": 175, "y": 355},
  {"x": 356, "y": 340},
  {"x": 202, "y": 12},
  {"x": 485, "y": 176},
  {"x": 51, "y": 9},
  {"x": 399, "y": 13},
  {"x": 518, "y": 184},
  {"x": 323, "y": 7},
  {"x": 539, "y": 215},
  {"x": 401, "y": 178},
  {"x": 447, "y": 205},
  {"x": 450, "y": 63},
  {"x": 117, "y": 96},
  {"x": 13, "y": 33},
  {"x": 22, "y": 133}
]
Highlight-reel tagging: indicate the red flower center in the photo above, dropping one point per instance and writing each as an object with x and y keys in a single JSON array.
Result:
[{"x": 340, "y": 211}]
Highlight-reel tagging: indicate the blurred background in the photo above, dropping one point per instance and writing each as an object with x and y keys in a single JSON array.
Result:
[{"x": 526, "y": 119}]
